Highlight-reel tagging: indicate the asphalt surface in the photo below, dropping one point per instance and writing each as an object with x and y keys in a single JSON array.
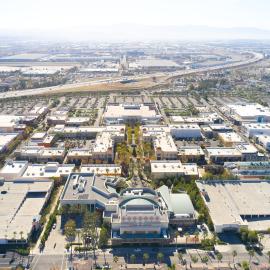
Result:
[{"x": 45, "y": 90}]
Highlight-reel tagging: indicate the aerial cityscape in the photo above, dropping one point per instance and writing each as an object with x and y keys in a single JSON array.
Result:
[{"x": 135, "y": 145}]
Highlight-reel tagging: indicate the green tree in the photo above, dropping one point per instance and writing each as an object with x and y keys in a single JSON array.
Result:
[
  {"x": 160, "y": 257},
  {"x": 145, "y": 257},
  {"x": 89, "y": 231},
  {"x": 268, "y": 254},
  {"x": 219, "y": 257},
  {"x": 186, "y": 236},
  {"x": 70, "y": 232},
  {"x": 133, "y": 258},
  {"x": 245, "y": 265},
  {"x": 176, "y": 235},
  {"x": 103, "y": 237},
  {"x": 196, "y": 234},
  {"x": 204, "y": 259},
  {"x": 251, "y": 254},
  {"x": 194, "y": 258},
  {"x": 115, "y": 259},
  {"x": 180, "y": 257},
  {"x": 234, "y": 254}
]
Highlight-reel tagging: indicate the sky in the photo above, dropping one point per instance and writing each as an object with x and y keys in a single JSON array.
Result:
[
  {"x": 134, "y": 19},
  {"x": 52, "y": 14}
]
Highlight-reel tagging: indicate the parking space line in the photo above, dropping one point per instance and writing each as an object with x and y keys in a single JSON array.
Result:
[{"x": 38, "y": 257}]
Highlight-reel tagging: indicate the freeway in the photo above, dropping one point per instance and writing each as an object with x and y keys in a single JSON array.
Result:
[{"x": 67, "y": 87}]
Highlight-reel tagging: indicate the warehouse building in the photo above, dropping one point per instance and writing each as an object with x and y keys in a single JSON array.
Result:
[
  {"x": 248, "y": 112},
  {"x": 22, "y": 203},
  {"x": 243, "y": 203},
  {"x": 6, "y": 141}
]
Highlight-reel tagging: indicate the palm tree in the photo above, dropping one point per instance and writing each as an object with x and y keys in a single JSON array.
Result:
[
  {"x": 145, "y": 257},
  {"x": 215, "y": 237},
  {"x": 251, "y": 254},
  {"x": 204, "y": 259},
  {"x": 21, "y": 234},
  {"x": 187, "y": 236},
  {"x": 219, "y": 257},
  {"x": 132, "y": 258},
  {"x": 14, "y": 235},
  {"x": 234, "y": 254},
  {"x": 268, "y": 254},
  {"x": 245, "y": 265},
  {"x": 180, "y": 257},
  {"x": 194, "y": 258},
  {"x": 205, "y": 233},
  {"x": 160, "y": 257},
  {"x": 196, "y": 234},
  {"x": 176, "y": 234},
  {"x": 115, "y": 259},
  {"x": 78, "y": 235}
]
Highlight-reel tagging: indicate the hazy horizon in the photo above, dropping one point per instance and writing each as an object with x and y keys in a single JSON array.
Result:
[{"x": 151, "y": 19}]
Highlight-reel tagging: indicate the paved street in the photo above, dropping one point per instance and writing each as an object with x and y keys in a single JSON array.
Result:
[
  {"x": 47, "y": 261},
  {"x": 44, "y": 262},
  {"x": 56, "y": 241}
]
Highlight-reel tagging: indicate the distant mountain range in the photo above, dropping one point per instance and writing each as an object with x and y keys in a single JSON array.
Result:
[{"x": 122, "y": 32}]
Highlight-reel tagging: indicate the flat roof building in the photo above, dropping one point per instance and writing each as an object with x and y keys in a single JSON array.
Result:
[
  {"x": 13, "y": 169},
  {"x": 202, "y": 119},
  {"x": 87, "y": 189},
  {"x": 220, "y": 155},
  {"x": 216, "y": 128},
  {"x": 185, "y": 131},
  {"x": 40, "y": 154},
  {"x": 254, "y": 129},
  {"x": 48, "y": 171},
  {"x": 6, "y": 140},
  {"x": 191, "y": 154},
  {"x": 21, "y": 206},
  {"x": 164, "y": 169},
  {"x": 229, "y": 138},
  {"x": 242, "y": 204},
  {"x": 249, "y": 112},
  {"x": 125, "y": 113},
  {"x": 264, "y": 141},
  {"x": 10, "y": 123},
  {"x": 165, "y": 147},
  {"x": 101, "y": 169},
  {"x": 249, "y": 169}
]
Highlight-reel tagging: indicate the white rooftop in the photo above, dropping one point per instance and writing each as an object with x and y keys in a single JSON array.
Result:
[
  {"x": 237, "y": 199},
  {"x": 164, "y": 166},
  {"x": 129, "y": 110},
  {"x": 49, "y": 170},
  {"x": 6, "y": 138},
  {"x": 18, "y": 210},
  {"x": 230, "y": 137},
  {"x": 249, "y": 110},
  {"x": 222, "y": 151}
]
